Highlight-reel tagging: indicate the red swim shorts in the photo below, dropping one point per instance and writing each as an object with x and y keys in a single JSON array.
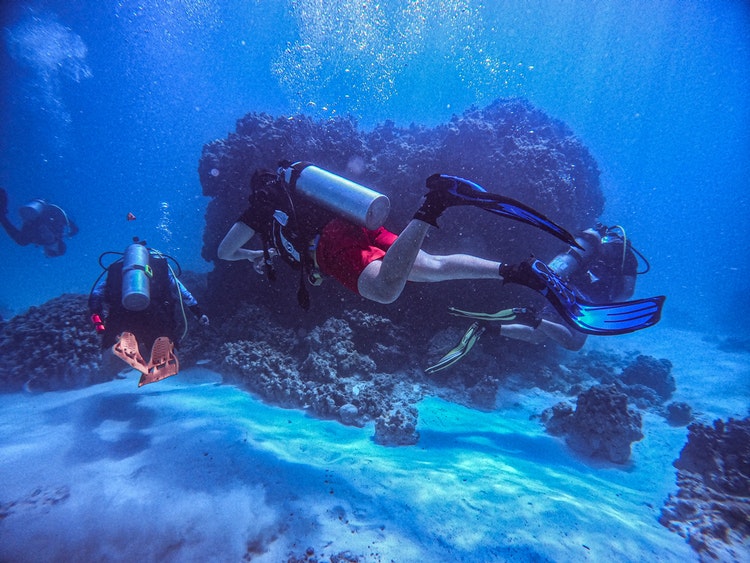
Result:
[{"x": 345, "y": 250}]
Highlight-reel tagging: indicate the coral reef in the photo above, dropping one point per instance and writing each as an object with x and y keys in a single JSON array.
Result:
[
  {"x": 711, "y": 508},
  {"x": 50, "y": 347},
  {"x": 601, "y": 426},
  {"x": 648, "y": 381},
  {"x": 509, "y": 147},
  {"x": 397, "y": 427},
  {"x": 346, "y": 358},
  {"x": 328, "y": 370},
  {"x": 357, "y": 368},
  {"x": 679, "y": 413},
  {"x": 311, "y": 557}
]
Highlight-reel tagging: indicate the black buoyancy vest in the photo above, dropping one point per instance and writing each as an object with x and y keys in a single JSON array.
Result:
[
  {"x": 290, "y": 224},
  {"x": 158, "y": 319}
]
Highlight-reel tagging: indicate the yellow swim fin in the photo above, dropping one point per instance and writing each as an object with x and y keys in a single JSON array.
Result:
[
  {"x": 516, "y": 315},
  {"x": 466, "y": 343}
]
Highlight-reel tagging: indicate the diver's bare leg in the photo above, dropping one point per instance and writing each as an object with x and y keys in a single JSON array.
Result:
[
  {"x": 564, "y": 335},
  {"x": 384, "y": 280}
]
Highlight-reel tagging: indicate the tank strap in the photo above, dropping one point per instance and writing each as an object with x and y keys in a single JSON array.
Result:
[
  {"x": 314, "y": 275},
  {"x": 146, "y": 269},
  {"x": 576, "y": 256},
  {"x": 297, "y": 169}
]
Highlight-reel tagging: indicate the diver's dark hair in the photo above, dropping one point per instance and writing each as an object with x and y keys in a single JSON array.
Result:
[{"x": 263, "y": 179}]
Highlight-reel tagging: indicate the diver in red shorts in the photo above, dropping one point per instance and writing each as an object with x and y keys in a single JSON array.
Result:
[
  {"x": 374, "y": 263},
  {"x": 321, "y": 223}
]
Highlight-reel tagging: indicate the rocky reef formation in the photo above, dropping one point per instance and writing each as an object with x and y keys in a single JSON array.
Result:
[
  {"x": 54, "y": 347},
  {"x": 601, "y": 426},
  {"x": 309, "y": 556},
  {"x": 357, "y": 367},
  {"x": 346, "y": 358},
  {"x": 50, "y": 347},
  {"x": 711, "y": 508},
  {"x": 648, "y": 381},
  {"x": 341, "y": 366},
  {"x": 509, "y": 147},
  {"x": 342, "y": 369}
]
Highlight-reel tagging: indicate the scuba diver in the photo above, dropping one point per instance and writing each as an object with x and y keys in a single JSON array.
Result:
[
  {"x": 323, "y": 224},
  {"x": 601, "y": 269},
  {"x": 134, "y": 305},
  {"x": 355, "y": 248},
  {"x": 43, "y": 224}
]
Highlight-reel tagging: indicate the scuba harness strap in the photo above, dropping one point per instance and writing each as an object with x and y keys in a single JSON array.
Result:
[
  {"x": 295, "y": 251},
  {"x": 295, "y": 174},
  {"x": 267, "y": 262},
  {"x": 303, "y": 296}
]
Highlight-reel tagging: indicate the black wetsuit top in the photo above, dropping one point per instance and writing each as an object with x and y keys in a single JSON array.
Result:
[{"x": 158, "y": 319}]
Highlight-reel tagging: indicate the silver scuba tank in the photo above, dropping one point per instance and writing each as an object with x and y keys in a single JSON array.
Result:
[
  {"x": 136, "y": 278},
  {"x": 360, "y": 205}
]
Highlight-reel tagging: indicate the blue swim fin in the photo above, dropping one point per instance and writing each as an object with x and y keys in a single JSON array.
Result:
[
  {"x": 601, "y": 320},
  {"x": 476, "y": 195}
]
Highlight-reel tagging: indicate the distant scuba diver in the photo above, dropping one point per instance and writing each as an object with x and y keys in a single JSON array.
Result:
[
  {"x": 43, "y": 224},
  {"x": 135, "y": 305},
  {"x": 321, "y": 223},
  {"x": 601, "y": 269}
]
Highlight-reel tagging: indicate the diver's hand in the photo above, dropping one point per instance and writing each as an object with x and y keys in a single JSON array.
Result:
[
  {"x": 259, "y": 262},
  {"x": 203, "y": 321}
]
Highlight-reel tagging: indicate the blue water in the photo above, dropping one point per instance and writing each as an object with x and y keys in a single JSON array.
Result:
[{"x": 106, "y": 106}]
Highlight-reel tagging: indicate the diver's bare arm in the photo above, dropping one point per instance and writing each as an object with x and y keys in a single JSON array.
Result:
[
  {"x": 230, "y": 247},
  {"x": 13, "y": 232}
]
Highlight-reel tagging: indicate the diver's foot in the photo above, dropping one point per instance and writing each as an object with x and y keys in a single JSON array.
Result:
[
  {"x": 524, "y": 316},
  {"x": 522, "y": 274},
  {"x": 441, "y": 194},
  {"x": 432, "y": 207}
]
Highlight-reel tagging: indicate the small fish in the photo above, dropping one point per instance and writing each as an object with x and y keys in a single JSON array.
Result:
[{"x": 130, "y": 217}]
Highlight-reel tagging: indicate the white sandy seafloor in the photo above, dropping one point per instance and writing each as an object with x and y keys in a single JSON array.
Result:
[{"x": 192, "y": 470}]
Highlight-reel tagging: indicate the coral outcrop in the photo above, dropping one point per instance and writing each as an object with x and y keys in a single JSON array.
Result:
[
  {"x": 711, "y": 508},
  {"x": 397, "y": 427},
  {"x": 334, "y": 370},
  {"x": 50, "y": 347},
  {"x": 648, "y": 381},
  {"x": 510, "y": 147},
  {"x": 601, "y": 426}
]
